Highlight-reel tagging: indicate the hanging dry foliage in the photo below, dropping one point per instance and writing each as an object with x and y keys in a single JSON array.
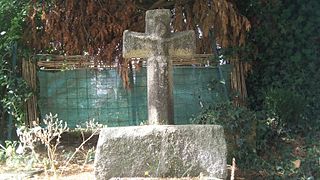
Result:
[
  {"x": 77, "y": 26},
  {"x": 96, "y": 27},
  {"x": 218, "y": 16}
]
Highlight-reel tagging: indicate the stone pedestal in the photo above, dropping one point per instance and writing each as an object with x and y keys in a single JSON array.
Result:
[{"x": 161, "y": 151}]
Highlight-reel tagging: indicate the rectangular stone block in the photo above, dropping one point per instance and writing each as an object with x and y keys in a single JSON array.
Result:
[{"x": 161, "y": 151}]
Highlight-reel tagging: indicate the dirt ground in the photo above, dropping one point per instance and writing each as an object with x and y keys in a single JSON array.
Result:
[
  {"x": 26, "y": 176},
  {"x": 80, "y": 167}
]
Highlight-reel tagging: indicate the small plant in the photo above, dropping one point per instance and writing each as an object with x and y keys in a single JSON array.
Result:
[
  {"x": 7, "y": 152},
  {"x": 91, "y": 127},
  {"x": 28, "y": 140},
  {"x": 11, "y": 158},
  {"x": 49, "y": 136}
]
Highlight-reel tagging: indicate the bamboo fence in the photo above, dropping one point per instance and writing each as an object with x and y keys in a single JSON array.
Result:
[
  {"x": 238, "y": 81},
  {"x": 29, "y": 74},
  {"x": 57, "y": 62}
]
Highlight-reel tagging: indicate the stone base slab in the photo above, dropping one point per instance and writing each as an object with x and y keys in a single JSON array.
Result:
[{"x": 161, "y": 151}]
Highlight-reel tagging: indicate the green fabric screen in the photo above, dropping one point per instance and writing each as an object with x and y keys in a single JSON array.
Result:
[{"x": 83, "y": 94}]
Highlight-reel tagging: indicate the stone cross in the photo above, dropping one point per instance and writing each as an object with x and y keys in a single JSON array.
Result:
[{"x": 158, "y": 45}]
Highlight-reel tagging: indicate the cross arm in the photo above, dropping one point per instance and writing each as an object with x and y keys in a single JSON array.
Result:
[
  {"x": 182, "y": 44},
  {"x": 136, "y": 45}
]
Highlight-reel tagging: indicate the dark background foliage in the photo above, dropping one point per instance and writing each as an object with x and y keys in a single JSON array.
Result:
[
  {"x": 284, "y": 44},
  {"x": 13, "y": 89},
  {"x": 283, "y": 47}
]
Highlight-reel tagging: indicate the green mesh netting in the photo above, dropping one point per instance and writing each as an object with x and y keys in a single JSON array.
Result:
[{"x": 83, "y": 94}]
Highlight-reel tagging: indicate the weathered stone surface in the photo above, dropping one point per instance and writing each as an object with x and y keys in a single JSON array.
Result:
[
  {"x": 158, "y": 45},
  {"x": 161, "y": 151}
]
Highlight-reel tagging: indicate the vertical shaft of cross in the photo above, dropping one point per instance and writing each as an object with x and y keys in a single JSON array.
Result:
[
  {"x": 160, "y": 90},
  {"x": 159, "y": 70}
]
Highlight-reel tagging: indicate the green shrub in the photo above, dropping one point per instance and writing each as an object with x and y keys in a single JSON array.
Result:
[
  {"x": 286, "y": 108},
  {"x": 284, "y": 46},
  {"x": 260, "y": 149},
  {"x": 13, "y": 89},
  {"x": 240, "y": 129}
]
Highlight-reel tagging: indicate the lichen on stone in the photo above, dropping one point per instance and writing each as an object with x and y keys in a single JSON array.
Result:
[
  {"x": 181, "y": 53},
  {"x": 138, "y": 53}
]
